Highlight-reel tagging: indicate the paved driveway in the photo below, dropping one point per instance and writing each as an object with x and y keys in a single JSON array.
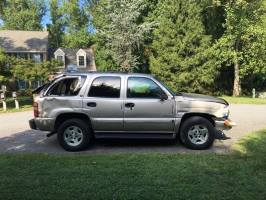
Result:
[{"x": 15, "y": 135}]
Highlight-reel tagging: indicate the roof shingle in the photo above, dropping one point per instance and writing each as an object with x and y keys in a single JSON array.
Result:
[{"x": 24, "y": 41}]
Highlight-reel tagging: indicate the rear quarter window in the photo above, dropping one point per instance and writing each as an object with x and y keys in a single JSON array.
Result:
[{"x": 67, "y": 87}]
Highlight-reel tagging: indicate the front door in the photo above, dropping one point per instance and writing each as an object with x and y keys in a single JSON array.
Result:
[
  {"x": 104, "y": 105},
  {"x": 144, "y": 111}
]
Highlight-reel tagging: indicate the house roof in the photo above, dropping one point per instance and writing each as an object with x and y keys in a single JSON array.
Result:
[{"x": 24, "y": 41}]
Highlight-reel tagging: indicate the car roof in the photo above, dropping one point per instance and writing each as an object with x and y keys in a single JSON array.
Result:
[{"x": 102, "y": 73}]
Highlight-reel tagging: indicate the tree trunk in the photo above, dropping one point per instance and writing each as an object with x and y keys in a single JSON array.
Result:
[{"x": 237, "y": 84}]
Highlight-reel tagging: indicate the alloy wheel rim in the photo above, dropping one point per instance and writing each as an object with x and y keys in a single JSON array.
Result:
[
  {"x": 198, "y": 134},
  {"x": 73, "y": 136}
]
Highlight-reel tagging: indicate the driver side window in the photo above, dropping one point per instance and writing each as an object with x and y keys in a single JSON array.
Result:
[{"x": 141, "y": 87}]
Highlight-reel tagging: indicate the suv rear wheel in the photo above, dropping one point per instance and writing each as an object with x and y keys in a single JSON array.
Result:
[
  {"x": 74, "y": 135},
  {"x": 197, "y": 133}
]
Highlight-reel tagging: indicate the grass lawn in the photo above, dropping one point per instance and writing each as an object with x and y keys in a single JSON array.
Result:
[
  {"x": 25, "y": 103},
  {"x": 244, "y": 100},
  {"x": 240, "y": 175}
]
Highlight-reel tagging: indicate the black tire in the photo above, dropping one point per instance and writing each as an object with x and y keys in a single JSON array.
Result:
[
  {"x": 84, "y": 130},
  {"x": 191, "y": 122}
]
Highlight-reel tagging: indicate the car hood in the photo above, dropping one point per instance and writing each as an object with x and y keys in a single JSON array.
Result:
[{"x": 200, "y": 97}]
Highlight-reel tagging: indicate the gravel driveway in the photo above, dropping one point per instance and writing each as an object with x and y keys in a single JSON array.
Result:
[{"x": 15, "y": 135}]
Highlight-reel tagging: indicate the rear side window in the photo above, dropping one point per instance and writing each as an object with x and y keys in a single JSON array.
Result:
[
  {"x": 105, "y": 87},
  {"x": 67, "y": 87}
]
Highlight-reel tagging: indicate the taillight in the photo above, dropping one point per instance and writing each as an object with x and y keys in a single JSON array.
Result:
[{"x": 36, "y": 109}]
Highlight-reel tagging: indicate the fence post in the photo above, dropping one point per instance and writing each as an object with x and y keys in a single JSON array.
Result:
[
  {"x": 14, "y": 95},
  {"x": 3, "y": 99},
  {"x": 253, "y": 93}
]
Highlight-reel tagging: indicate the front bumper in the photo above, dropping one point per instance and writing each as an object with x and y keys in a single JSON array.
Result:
[
  {"x": 43, "y": 124},
  {"x": 224, "y": 124}
]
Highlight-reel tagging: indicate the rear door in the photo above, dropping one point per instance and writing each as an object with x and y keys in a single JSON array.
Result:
[
  {"x": 103, "y": 103},
  {"x": 145, "y": 112}
]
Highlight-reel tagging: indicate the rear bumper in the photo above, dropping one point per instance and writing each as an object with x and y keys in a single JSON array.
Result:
[
  {"x": 43, "y": 124},
  {"x": 224, "y": 124}
]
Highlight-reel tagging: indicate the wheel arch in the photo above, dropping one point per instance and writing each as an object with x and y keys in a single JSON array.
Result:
[
  {"x": 70, "y": 115},
  {"x": 196, "y": 114}
]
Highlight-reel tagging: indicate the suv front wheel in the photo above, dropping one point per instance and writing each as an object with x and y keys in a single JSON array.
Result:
[
  {"x": 197, "y": 133},
  {"x": 74, "y": 135}
]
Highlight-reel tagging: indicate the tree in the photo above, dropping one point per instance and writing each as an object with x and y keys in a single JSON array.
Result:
[
  {"x": 122, "y": 31},
  {"x": 4, "y": 69},
  {"x": 56, "y": 28},
  {"x": 30, "y": 71},
  {"x": 243, "y": 43},
  {"x": 77, "y": 21},
  {"x": 181, "y": 51},
  {"x": 23, "y": 14}
]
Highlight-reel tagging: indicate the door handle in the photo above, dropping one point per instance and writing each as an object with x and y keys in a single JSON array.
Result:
[
  {"x": 91, "y": 104},
  {"x": 130, "y": 105}
]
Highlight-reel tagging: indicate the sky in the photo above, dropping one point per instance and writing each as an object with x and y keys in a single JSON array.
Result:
[{"x": 46, "y": 19}]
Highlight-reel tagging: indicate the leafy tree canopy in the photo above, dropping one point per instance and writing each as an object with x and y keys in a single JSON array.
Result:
[
  {"x": 23, "y": 14},
  {"x": 180, "y": 47}
]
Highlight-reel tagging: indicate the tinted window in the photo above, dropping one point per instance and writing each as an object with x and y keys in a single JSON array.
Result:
[
  {"x": 67, "y": 87},
  {"x": 106, "y": 87},
  {"x": 138, "y": 87}
]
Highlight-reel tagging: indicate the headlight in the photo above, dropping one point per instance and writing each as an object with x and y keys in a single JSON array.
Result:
[{"x": 225, "y": 112}]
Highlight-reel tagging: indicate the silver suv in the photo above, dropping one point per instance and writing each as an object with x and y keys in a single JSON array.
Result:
[{"x": 82, "y": 106}]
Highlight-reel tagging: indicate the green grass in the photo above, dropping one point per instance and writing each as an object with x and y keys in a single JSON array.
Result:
[
  {"x": 240, "y": 175},
  {"x": 244, "y": 100},
  {"x": 25, "y": 103}
]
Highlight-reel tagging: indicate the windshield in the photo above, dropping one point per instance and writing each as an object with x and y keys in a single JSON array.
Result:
[{"x": 166, "y": 87}]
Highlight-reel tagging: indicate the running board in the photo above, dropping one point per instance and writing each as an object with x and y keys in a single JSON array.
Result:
[{"x": 135, "y": 135}]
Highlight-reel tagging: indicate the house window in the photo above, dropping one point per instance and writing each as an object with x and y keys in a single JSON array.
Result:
[
  {"x": 60, "y": 59},
  {"x": 22, "y": 56},
  {"x": 81, "y": 61},
  {"x": 36, "y": 57},
  {"x": 22, "y": 85}
]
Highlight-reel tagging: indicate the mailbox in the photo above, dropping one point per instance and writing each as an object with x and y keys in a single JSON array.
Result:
[
  {"x": 14, "y": 95},
  {"x": 2, "y": 96},
  {"x": 3, "y": 88}
]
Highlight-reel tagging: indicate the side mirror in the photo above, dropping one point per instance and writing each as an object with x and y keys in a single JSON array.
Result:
[{"x": 163, "y": 96}]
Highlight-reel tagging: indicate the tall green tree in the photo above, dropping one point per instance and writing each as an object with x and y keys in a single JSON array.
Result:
[
  {"x": 23, "y": 14},
  {"x": 243, "y": 43},
  {"x": 57, "y": 26},
  {"x": 122, "y": 30},
  {"x": 181, "y": 54},
  {"x": 77, "y": 20}
]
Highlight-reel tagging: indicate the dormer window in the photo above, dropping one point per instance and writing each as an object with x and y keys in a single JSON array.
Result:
[
  {"x": 59, "y": 55},
  {"x": 81, "y": 58},
  {"x": 60, "y": 59},
  {"x": 81, "y": 61}
]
